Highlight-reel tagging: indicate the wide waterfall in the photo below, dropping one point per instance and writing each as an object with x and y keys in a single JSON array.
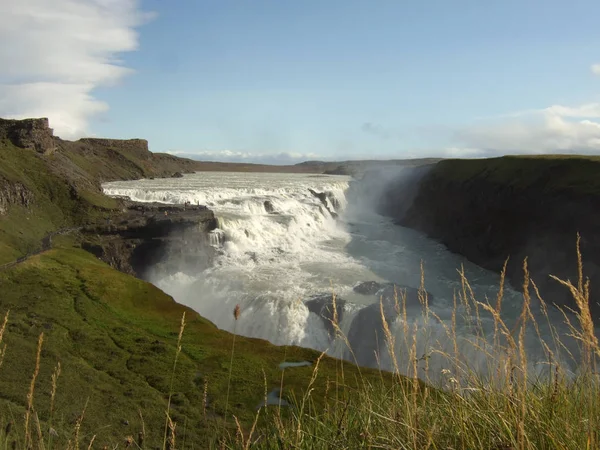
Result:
[{"x": 287, "y": 242}]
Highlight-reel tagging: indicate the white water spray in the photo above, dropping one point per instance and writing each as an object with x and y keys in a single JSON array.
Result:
[{"x": 279, "y": 246}]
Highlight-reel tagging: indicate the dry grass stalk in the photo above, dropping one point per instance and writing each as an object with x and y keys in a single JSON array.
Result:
[
  {"x": 2, "y": 329},
  {"x": 170, "y": 445},
  {"x": 177, "y": 352},
  {"x": 38, "y": 428},
  {"x": 389, "y": 338},
  {"x": 54, "y": 380},
  {"x": 78, "y": 425},
  {"x": 246, "y": 442},
  {"x": 32, "y": 390},
  {"x": 205, "y": 398},
  {"x": 236, "y": 316},
  {"x": 141, "y": 434}
]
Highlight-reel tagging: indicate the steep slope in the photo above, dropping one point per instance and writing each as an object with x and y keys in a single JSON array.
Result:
[
  {"x": 517, "y": 207},
  {"x": 115, "y": 337}
]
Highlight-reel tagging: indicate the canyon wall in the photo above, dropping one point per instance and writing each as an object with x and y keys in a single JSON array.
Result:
[{"x": 490, "y": 209}]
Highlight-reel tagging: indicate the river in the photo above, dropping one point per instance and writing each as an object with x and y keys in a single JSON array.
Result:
[{"x": 278, "y": 246}]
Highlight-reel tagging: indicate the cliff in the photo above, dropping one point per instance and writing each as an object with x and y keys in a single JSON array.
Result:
[
  {"x": 47, "y": 183},
  {"x": 170, "y": 238},
  {"x": 517, "y": 207},
  {"x": 33, "y": 134}
]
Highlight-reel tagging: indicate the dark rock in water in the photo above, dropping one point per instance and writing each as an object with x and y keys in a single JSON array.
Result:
[
  {"x": 334, "y": 201},
  {"x": 370, "y": 287},
  {"x": 366, "y": 335},
  {"x": 177, "y": 175},
  {"x": 269, "y": 207},
  {"x": 322, "y": 306},
  {"x": 323, "y": 196}
]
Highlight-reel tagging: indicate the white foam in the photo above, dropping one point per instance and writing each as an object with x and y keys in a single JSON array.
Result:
[{"x": 270, "y": 263}]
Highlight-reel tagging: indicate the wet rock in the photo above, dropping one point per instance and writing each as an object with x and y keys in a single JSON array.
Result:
[
  {"x": 322, "y": 306},
  {"x": 369, "y": 287},
  {"x": 323, "y": 196},
  {"x": 366, "y": 334},
  {"x": 334, "y": 201},
  {"x": 177, "y": 175},
  {"x": 269, "y": 208}
]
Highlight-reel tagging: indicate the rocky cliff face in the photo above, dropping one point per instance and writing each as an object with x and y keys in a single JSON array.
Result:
[
  {"x": 13, "y": 194},
  {"x": 34, "y": 134},
  {"x": 167, "y": 238},
  {"x": 488, "y": 210}
]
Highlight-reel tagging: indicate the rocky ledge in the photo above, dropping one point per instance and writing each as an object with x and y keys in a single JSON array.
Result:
[
  {"x": 34, "y": 134},
  {"x": 145, "y": 236}
]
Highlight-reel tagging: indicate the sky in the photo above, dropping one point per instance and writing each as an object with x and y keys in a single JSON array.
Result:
[{"x": 281, "y": 81}]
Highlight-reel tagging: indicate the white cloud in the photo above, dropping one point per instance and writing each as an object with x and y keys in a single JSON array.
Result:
[
  {"x": 58, "y": 52},
  {"x": 282, "y": 158},
  {"x": 555, "y": 129},
  {"x": 596, "y": 69}
]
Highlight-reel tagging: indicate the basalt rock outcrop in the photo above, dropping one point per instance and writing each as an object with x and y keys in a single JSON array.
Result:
[
  {"x": 366, "y": 335},
  {"x": 517, "y": 207},
  {"x": 34, "y": 134},
  {"x": 323, "y": 306},
  {"x": 167, "y": 238},
  {"x": 13, "y": 193}
]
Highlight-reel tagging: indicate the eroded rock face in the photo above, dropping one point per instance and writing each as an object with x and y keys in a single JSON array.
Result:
[
  {"x": 322, "y": 305},
  {"x": 34, "y": 134},
  {"x": 13, "y": 193},
  {"x": 166, "y": 238},
  {"x": 491, "y": 210}
]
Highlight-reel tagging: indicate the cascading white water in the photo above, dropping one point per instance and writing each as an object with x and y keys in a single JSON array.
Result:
[{"x": 279, "y": 246}]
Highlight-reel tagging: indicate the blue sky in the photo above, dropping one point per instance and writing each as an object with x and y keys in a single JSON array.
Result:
[{"x": 285, "y": 81}]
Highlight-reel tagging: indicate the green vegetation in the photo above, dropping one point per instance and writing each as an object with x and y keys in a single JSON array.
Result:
[
  {"x": 550, "y": 173},
  {"x": 115, "y": 338},
  {"x": 53, "y": 202},
  {"x": 87, "y": 353}
]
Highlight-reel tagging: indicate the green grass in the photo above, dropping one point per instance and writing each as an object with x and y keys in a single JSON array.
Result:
[
  {"x": 550, "y": 173},
  {"x": 115, "y": 337}
]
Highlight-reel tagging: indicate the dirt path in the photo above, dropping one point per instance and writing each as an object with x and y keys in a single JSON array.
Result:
[{"x": 45, "y": 244}]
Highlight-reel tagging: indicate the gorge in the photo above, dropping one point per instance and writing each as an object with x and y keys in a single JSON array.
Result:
[{"x": 278, "y": 244}]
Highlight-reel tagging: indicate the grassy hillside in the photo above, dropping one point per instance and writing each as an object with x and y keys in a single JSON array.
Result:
[
  {"x": 40, "y": 200},
  {"x": 115, "y": 338}
]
